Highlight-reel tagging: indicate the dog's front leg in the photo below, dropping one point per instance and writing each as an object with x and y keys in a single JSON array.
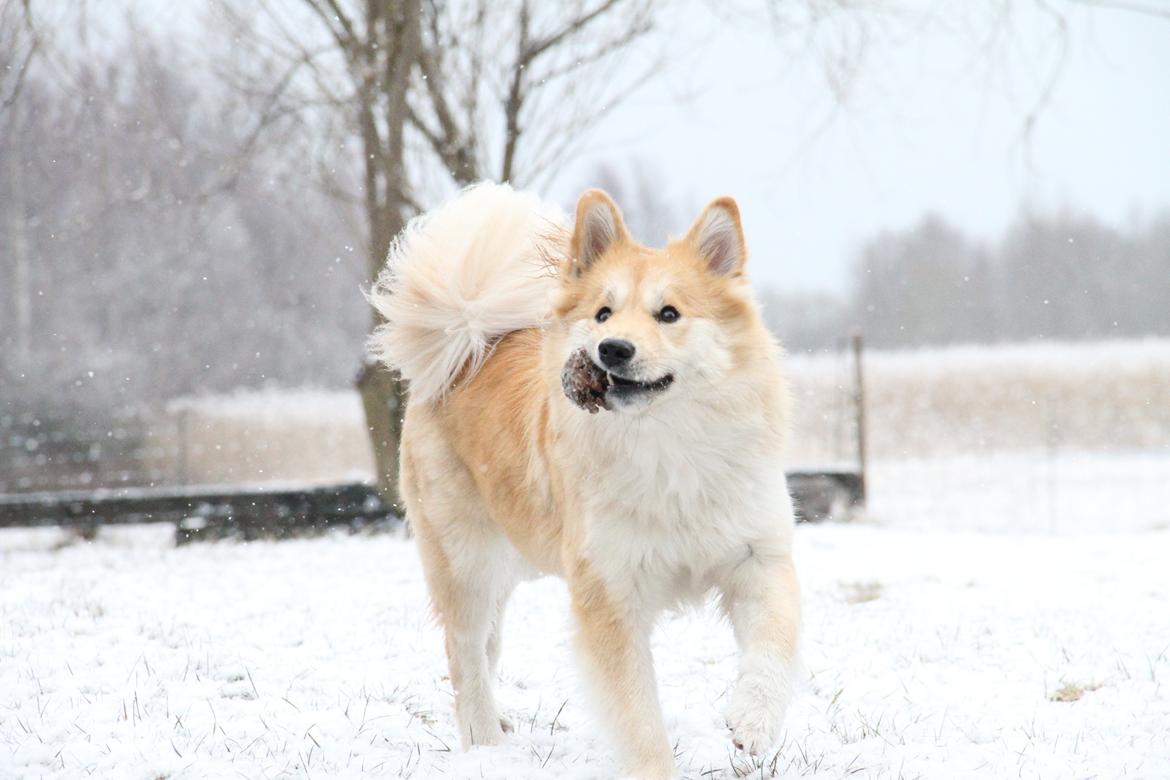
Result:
[
  {"x": 613, "y": 642},
  {"x": 762, "y": 598}
]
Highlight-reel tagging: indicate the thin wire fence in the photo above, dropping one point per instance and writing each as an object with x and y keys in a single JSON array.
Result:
[
  {"x": 1051, "y": 438},
  {"x": 1044, "y": 438}
]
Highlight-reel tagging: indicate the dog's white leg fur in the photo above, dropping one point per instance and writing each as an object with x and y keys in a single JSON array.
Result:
[
  {"x": 495, "y": 633},
  {"x": 613, "y": 646},
  {"x": 470, "y": 569},
  {"x": 495, "y": 636},
  {"x": 475, "y": 706},
  {"x": 762, "y": 598},
  {"x": 467, "y": 603}
]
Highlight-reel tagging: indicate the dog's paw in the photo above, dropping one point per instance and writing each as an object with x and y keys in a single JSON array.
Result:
[
  {"x": 486, "y": 730},
  {"x": 754, "y": 729},
  {"x": 486, "y": 737},
  {"x": 655, "y": 768},
  {"x": 756, "y": 711}
]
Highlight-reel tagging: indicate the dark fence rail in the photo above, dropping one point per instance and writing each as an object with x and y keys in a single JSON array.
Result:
[
  {"x": 826, "y": 495},
  {"x": 213, "y": 513},
  {"x": 200, "y": 513}
]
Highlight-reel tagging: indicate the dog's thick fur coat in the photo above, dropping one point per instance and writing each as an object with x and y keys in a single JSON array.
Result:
[{"x": 674, "y": 490}]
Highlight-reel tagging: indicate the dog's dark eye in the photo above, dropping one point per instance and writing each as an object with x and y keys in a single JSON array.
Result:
[
  {"x": 602, "y": 314},
  {"x": 667, "y": 314}
]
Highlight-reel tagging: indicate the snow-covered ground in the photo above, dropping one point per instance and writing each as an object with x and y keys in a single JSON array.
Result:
[
  {"x": 1043, "y": 491},
  {"x": 1004, "y": 612},
  {"x": 928, "y": 653}
]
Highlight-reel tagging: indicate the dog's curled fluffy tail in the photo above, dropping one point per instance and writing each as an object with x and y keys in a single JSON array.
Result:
[{"x": 459, "y": 277}]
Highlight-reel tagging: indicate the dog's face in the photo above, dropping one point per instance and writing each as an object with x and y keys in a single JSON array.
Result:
[{"x": 661, "y": 323}]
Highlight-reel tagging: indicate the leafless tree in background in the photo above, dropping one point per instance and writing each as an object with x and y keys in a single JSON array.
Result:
[
  {"x": 930, "y": 280},
  {"x": 140, "y": 275},
  {"x": 1057, "y": 276},
  {"x": 417, "y": 97},
  {"x": 20, "y": 43}
]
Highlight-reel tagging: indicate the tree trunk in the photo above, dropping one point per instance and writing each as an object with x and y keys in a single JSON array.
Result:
[
  {"x": 18, "y": 245},
  {"x": 384, "y": 403},
  {"x": 392, "y": 30}
]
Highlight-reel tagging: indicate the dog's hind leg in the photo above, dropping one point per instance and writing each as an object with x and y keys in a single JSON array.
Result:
[
  {"x": 470, "y": 569},
  {"x": 495, "y": 633},
  {"x": 468, "y": 583},
  {"x": 495, "y": 636}
]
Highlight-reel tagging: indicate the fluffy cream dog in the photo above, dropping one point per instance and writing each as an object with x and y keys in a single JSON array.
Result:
[{"x": 511, "y": 330}]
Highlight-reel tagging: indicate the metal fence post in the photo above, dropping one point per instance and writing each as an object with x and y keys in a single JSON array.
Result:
[
  {"x": 184, "y": 425},
  {"x": 859, "y": 412}
]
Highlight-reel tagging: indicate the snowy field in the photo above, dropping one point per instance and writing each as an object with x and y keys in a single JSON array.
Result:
[{"x": 927, "y": 653}]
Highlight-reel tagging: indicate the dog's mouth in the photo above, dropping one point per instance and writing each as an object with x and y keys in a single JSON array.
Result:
[
  {"x": 592, "y": 388},
  {"x": 621, "y": 386}
]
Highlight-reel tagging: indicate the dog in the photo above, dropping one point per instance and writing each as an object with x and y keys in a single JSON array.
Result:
[{"x": 582, "y": 405}]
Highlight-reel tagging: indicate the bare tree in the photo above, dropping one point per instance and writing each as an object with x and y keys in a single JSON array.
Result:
[
  {"x": 19, "y": 45},
  {"x": 410, "y": 99},
  {"x": 128, "y": 273}
]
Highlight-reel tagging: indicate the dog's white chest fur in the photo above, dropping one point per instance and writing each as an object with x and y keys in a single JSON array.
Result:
[{"x": 670, "y": 501}]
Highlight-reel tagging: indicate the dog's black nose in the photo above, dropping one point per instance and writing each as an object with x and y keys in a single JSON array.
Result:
[{"x": 614, "y": 352}]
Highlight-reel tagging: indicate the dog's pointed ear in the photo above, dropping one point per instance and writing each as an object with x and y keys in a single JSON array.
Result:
[
  {"x": 717, "y": 236},
  {"x": 598, "y": 227}
]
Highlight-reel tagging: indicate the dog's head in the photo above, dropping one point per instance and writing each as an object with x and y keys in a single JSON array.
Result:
[{"x": 661, "y": 323}]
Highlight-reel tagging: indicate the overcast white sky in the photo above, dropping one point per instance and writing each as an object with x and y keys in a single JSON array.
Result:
[{"x": 935, "y": 125}]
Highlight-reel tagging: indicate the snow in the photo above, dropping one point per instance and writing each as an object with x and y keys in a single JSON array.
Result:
[
  {"x": 929, "y": 651},
  {"x": 1053, "y": 491},
  {"x": 282, "y": 406},
  {"x": 1045, "y": 357}
]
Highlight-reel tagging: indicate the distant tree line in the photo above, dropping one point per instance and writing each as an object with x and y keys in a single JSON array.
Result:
[
  {"x": 139, "y": 260},
  {"x": 1055, "y": 276}
]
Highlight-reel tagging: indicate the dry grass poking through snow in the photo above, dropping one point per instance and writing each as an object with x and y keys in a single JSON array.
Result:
[
  {"x": 127, "y": 658},
  {"x": 955, "y": 401},
  {"x": 963, "y": 401}
]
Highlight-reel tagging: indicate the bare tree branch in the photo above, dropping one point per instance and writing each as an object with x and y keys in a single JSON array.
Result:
[
  {"x": 515, "y": 99},
  {"x": 1128, "y": 5},
  {"x": 1050, "y": 83},
  {"x": 452, "y": 147},
  {"x": 529, "y": 51},
  {"x": 22, "y": 69},
  {"x": 538, "y": 47}
]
